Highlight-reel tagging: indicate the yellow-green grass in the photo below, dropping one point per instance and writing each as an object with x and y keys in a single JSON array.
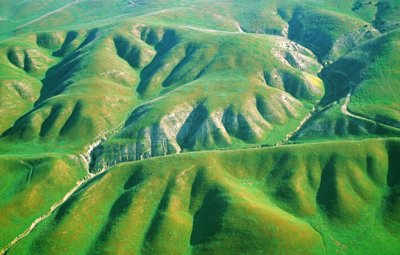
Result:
[
  {"x": 189, "y": 82},
  {"x": 99, "y": 70},
  {"x": 312, "y": 199},
  {"x": 22, "y": 64},
  {"x": 72, "y": 104},
  {"x": 139, "y": 72},
  {"x": 332, "y": 124},
  {"x": 371, "y": 73},
  {"x": 376, "y": 97},
  {"x": 256, "y": 16},
  {"x": 30, "y": 186},
  {"x": 130, "y": 53}
]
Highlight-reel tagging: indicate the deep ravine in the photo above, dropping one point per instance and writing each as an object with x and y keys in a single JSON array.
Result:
[{"x": 301, "y": 124}]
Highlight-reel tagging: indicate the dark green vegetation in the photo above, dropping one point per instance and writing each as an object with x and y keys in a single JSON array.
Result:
[{"x": 86, "y": 85}]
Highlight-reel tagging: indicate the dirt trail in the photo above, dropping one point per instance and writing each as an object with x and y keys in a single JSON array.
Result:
[
  {"x": 48, "y": 14},
  {"x": 52, "y": 209},
  {"x": 239, "y": 28},
  {"x": 301, "y": 124},
  {"x": 30, "y": 174},
  {"x": 210, "y": 30},
  {"x": 345, "y": 110},
  {"x": 86, "y": 158}
]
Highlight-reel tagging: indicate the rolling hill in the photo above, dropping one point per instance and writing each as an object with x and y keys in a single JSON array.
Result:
[{"x": 199, "y": 127}]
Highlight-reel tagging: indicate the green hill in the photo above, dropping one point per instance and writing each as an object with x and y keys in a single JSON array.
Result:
[
  {"x": 87, "y": 87},
  {"x": 296, "y": 199}
]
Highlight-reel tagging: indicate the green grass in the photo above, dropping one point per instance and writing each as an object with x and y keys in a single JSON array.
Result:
[
  {"x": 332, "y": 124},
  {"x": 22, "y": 65},
  {"x": 164, "y": 77},
  {"x": 171, "y": 69},
  {"x": 298, "y": 198},
  {"x": 69, "y": 100},
  {"x": 370, "y": 70},
  {"x": 31, "y": 185},
  {"x": 380, "y": 102},
  {"x": 329, "y": 34}
]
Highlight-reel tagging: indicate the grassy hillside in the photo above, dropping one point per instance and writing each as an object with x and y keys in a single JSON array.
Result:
[
  {"x": 332, "y": 124},
  {"x": 30, "y": 186},
  {"x": 166, "y": 77},
  {"x": 380, "y": 102},
  {"x": 295, "y": 199},
  {"x": 87, "y": 85},
  {"x": 58, "y": 84}
]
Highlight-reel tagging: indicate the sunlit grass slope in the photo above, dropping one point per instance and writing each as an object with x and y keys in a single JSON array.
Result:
[
  {"x": 332, "y": 124},
  {"x": 380, "y": 102},
  {"x": 155, "y": 81},
  {"x": 171, "y": 62},
  {"x": 138, "y": 79},
  {"x": 30, "y": 186},
  {"x": 77, "y": 90},
  {"x": 308, "y": 199},
  {"x": 371, "y": 74},
  {"x": 193, "y": 81}
]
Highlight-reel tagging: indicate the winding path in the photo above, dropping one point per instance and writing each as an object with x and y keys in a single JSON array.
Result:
[
  {"x": 345, "y": 106},
  {"x": 86, "y": 158},
  {"x": 212, "y": 30},
  {"x": 48, "y": 14},
  {"x": 346, "y": 112},
  {"x": 31, "y": 169},
  {"x": 52, "y": 209}
]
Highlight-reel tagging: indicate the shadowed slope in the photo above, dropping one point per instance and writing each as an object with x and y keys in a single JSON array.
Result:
[
  {"x": 276, "y": 78},
  {"x": 296, "y": 198},
  {"x": 116, "y": 81},
  {"x": 62, "y": 111},
  {"x": 197, "y": 79}
]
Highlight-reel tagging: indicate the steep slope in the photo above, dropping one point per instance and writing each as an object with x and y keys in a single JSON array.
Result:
[
  {"x": 22, "y": 64},
  {"x": 197, "y": 83},
  {"x": 296, "y": 199},
  {"x": 327, "y": 33},
  {"x": 88, "y": 84},
  {"x": 334, "y": 124},
  {"x": 62, "y": 110},
  {"x": 361, "y": 93},
  {"x": 169, "y": 76},
  {"x": 379, "y": 102},
  {"x": 160, "y": 50}
]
